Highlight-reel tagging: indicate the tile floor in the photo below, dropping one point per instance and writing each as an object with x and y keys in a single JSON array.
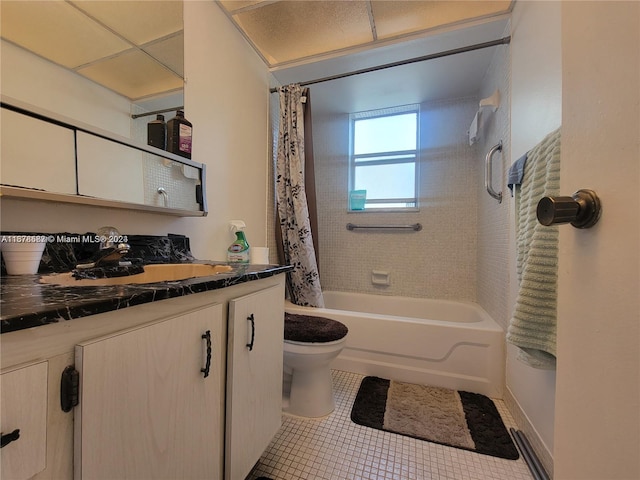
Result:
[{"x": 335, "y": 448}]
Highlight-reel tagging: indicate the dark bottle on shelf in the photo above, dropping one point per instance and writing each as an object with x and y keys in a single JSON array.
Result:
[
  {"x": 179, "y": 133},
  {"x": 157, "y": 133}
]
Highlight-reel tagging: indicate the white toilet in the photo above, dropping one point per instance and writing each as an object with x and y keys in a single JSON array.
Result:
[{"x": 310, "y": 344}]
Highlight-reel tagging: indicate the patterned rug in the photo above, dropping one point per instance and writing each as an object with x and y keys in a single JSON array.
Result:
[{"x": 458, "y": 419}]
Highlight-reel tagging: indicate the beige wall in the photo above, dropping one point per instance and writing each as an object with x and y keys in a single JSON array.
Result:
[
  {"x": 536, "y": 91},
  {"x": 226, "y": 98},
  {"x": 597, "y": 426}
]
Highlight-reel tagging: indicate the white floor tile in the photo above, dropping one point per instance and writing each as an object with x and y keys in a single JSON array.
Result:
[{"x": 335, "y": 448}]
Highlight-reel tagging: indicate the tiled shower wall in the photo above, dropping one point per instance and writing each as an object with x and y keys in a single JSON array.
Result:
[
  {"x": 495, "y": 230},
  {"x": 437, "y": 262}
]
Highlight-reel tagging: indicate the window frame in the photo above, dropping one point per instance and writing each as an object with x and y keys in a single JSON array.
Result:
[{"x": 370, "y": 203}]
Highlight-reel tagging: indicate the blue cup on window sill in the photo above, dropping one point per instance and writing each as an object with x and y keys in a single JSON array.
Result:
[{"x": 357, "y": 199}]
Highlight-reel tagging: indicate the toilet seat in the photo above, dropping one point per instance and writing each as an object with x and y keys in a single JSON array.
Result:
[{"x": 308, "y": 329}]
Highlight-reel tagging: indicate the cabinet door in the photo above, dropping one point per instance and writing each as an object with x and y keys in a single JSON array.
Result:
[
  {"x": 37, "y": 154},
  {"x": 24, "y": 408},
  {"x": 146, "y": 409},
  {"x": 109, "y": 170},
  {"x": 254, "y": 378}
]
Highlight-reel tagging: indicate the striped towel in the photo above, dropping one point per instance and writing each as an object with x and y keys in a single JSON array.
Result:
[{"x": 533, "y": 326}]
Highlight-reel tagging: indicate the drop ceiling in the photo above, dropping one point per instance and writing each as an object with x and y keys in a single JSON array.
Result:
[
  {"x": 284, "y": 32},
  {"x": 134, "y": 48},
  {"x": 303, "y": 41}
]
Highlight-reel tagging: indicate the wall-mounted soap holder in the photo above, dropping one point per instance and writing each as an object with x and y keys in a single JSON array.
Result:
[{"x": 380, "y": 277}]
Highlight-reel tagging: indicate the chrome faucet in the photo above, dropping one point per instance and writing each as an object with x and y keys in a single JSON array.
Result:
[{"x": 113, "y": 247}]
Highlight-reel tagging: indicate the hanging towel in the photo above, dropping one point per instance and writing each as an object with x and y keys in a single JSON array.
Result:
[
  {"x": 533, "y": 326},
  {"x": 474, "y": 129},
  {"x": 516, "y": 172}
]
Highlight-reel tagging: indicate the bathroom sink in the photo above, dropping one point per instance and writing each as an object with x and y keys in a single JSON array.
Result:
[{"x": 152, "y": 273}]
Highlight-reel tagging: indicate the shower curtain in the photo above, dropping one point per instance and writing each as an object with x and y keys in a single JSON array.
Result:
[{"x": 292, "y": 207}]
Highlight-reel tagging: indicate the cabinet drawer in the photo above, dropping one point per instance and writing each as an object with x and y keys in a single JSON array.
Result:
[{"x": 24, "y": 408}]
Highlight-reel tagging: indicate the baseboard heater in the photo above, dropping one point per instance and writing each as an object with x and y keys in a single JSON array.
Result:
[{"x": 533, "y": 462}]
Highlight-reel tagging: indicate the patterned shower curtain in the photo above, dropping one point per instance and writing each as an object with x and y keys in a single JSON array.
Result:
[{"x": 303, "y": 281}]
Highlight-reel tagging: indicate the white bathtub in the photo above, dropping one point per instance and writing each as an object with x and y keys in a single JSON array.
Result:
[{"x": 433, "y": 342}]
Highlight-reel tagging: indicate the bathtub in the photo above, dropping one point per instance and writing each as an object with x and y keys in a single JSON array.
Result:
[{"x": 432, "y": 342}]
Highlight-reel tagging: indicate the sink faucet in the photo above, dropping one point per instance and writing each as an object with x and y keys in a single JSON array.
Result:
[{"x": 113, "y": 247}]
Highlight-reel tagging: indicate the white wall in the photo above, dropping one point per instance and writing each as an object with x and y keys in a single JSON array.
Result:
[
  {"x": 597, "y": 427},
  {"x": 226, "y": 99},
  {"x": 536, "y": 95}
]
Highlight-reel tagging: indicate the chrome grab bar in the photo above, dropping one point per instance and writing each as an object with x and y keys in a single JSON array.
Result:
[
  {"x": 415, "y": 227},
  {"x": 488, "y": 172}
]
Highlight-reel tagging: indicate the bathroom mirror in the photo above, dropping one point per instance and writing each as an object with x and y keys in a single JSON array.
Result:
[{"x": 105, "y": 43}]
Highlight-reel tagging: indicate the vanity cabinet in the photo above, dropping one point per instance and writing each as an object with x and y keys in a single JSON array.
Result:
[
  {"x": 150, "y": 400},
  {"x": 254, "y": 378},
  {"x": 24, "y": 414},
  {"x": 145, "y": 408}
]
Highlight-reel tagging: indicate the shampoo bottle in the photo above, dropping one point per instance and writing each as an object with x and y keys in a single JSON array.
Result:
[
  {"x": 157, "y": 133},
  {"x": 238, "y": 251},
  {"x": 179, "y": 133}
]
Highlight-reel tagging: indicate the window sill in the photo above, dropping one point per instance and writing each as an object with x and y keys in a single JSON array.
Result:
[{"x": 386, "y": 210}]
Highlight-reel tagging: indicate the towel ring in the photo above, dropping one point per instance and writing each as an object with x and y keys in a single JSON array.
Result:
[{"x": 488, "y": 172}]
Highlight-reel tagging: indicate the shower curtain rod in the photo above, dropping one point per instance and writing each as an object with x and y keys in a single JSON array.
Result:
[{"x": 432, "y": 56}]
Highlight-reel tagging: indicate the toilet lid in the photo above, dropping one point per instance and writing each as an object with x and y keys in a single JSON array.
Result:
[{"x": 310, "y": 329}]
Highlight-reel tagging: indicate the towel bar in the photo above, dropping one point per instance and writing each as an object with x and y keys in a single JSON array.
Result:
[
  {"x": 416, "y": 227},
  {"x": 488, "y": 172}
]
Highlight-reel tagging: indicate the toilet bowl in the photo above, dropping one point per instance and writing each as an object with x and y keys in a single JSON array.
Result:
[{"x": 310, "y": 344}]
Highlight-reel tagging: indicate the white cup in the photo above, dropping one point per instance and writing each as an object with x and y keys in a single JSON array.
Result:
[
  {"x": 259, "y": 255},
  {"x": 22, "y": 254}
]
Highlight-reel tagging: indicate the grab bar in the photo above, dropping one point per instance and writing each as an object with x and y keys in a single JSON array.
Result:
[
  {"x": 415, "y": 227},
  {"x": 488, "y": 172}
]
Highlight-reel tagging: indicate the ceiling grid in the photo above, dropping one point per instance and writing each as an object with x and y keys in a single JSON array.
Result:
[{"x": 137, "y": 51}]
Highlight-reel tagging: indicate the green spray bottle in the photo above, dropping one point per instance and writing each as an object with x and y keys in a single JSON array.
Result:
[{"x": 238, "y": 251}]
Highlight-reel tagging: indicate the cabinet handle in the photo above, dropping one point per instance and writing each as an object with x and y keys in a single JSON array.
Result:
[
  {"x": 207, "y": 336},
  {"x": 10, "y": 437},
  {"x": 253, "y": 331}
]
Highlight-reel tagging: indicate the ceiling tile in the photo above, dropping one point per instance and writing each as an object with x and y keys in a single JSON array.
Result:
[
  {"x": 290, "y": 30},
  {"x": 397, "y": 18},
  {"x": 169, "y": 51},
  {"x": 133, "y": 74},
  {"x": 57, "y": 31},
  {"x": 138, "y": 21},
  {"x": 235, "y": 5}
]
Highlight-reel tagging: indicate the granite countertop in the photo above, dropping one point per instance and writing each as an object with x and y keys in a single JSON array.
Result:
[{"x": 25, "y": 302}]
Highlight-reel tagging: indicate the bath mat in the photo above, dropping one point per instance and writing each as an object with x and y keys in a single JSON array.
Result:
[{"x": 469, "y": 421}]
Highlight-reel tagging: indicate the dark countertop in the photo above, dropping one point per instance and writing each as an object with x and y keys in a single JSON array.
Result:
[{"x": 26, "y": 303}]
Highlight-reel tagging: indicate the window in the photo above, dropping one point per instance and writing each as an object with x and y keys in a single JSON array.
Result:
[{"x": 382, "y": 160}]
